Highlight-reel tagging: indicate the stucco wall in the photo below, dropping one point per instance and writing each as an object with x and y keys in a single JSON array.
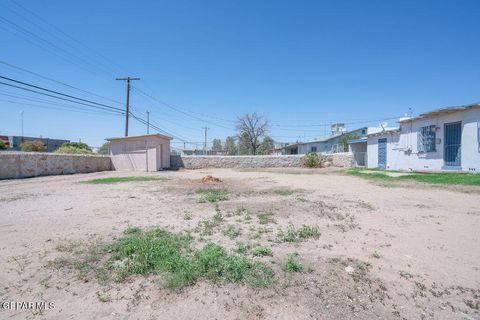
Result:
[
  {"x": 32, "y": 164},
  {"x": 131, "y": 153},
  {"x": 400, "y": 158},
  {"x": 197, "y": 162}
]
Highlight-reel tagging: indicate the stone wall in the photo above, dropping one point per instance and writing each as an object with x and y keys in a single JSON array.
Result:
[
  {"x": 197, "y": 162},
  {"x": 31, "y": 164}
]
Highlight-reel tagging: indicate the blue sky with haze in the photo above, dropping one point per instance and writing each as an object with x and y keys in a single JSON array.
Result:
[{"x": 295, "y": 62}]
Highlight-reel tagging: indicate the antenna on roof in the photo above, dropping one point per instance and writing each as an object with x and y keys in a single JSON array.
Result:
[{"x": 383, "y": 125}]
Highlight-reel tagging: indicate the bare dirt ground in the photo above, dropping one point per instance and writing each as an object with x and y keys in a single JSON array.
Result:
[{"x": 414, "y": 249}]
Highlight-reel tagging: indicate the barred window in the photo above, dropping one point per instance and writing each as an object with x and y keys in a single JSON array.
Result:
[
  {"x": 313, "y": 149},
  {"x": 426, "y": 139}
]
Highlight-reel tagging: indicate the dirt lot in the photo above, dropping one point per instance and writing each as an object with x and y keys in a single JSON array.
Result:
[{"x": 408, "y": 251}]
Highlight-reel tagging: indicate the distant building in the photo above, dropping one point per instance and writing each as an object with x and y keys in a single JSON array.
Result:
[
  {"x": 331, "y": 144},
  {"x": 443, "y": 139},
  {"x": 14, "y": 142}
]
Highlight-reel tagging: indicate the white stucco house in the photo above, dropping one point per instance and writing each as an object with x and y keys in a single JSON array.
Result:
[{"x": 443, "y": 139}]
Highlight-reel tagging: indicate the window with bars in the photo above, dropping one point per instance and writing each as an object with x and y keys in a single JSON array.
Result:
[
  {"x": 313, "y": 149},
  {"x": 426, "y": 139}
]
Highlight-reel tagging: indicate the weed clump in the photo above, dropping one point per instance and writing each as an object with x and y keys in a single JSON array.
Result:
[
  {"x": 262, "y": 252},
  {"x": 232, "y": 231},
  {"x": 291, "y": 264},
  {"x": 291, "y": 234},
  {"x": 212, "y": 194},
  {"x": 265, "y": 218},
  {"x": 157, "y": 251}
]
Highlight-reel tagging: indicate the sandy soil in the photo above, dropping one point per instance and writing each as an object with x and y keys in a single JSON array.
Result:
[{"x": 422, "y": 244}]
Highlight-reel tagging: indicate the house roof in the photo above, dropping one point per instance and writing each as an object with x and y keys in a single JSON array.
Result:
[
  {"x": 360, "y": 140},
  {"x": 384, "y": 132},
  {"x": 158, "y": 135},
  {"x": 328, "y": 138},
  {"x": 441, "y": 111}
]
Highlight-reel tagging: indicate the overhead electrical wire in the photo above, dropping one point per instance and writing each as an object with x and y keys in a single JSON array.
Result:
[{"x": 58, "y": 82}]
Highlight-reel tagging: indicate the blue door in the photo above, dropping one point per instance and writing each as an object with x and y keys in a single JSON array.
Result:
[
  {"x": 382, "y": 153},
  {"x": 452, "y": 145}
]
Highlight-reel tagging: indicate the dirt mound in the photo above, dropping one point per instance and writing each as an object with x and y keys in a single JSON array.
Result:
[{"x": 210, "y": 179}]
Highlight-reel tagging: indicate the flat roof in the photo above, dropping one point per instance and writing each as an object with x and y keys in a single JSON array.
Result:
[
  {"x": 444, "y": 110},
  {"x": 158, "y": 135},
  {"x": 380, "y": 133},
  {"x": 360, "y": 140}
]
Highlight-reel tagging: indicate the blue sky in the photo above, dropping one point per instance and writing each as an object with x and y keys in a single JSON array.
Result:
[{"x": 295, "y": 62}]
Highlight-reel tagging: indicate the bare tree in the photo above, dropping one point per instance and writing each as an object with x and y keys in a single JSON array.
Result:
[{"x": 253, "y": 127}]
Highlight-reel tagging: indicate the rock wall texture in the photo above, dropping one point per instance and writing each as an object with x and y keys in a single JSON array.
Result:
[
  {"x": 31, "y": 164},
  {"x": 197, "y": 162}
]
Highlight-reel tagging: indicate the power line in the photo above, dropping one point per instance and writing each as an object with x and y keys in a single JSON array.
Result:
[
  {"x": 178, "y": 109},
  {"x": 60, "y": 98},
  {"x": 143, "y": 121},
  {"x": 59, "y": 30},
  {"x": 56, "y": 81},
  {"x": 58, "y": 50},
  {"x": 33, "y": 99},
  {"x": 59, "y": 93}
]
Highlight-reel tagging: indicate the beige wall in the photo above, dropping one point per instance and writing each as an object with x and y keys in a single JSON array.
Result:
[
  {"x": 134, "y": 154},
  {"x": 31, "y": 164}
]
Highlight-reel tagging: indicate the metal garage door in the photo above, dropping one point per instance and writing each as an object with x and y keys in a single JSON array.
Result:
[{"x": 382, "y": 153}]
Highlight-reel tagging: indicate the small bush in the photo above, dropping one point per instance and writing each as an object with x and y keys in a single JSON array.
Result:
[
  {"x": 212, "y": 194},
  {"x": 105, "y": 148},
  {"x": 262, "y": 252},
  {"x": 74, "y": 148},
  {"x": 33, "y": 146},
  {"x": 312, "y": 160},
  {"x": 3, "y": 146},
  {"x": 295, "y": 235},
  {"x": 292, "y": 265},
  {"x": 78, "y": 145}
]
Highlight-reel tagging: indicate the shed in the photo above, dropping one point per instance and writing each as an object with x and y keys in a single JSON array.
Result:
[{"x": 149, "y": 152}]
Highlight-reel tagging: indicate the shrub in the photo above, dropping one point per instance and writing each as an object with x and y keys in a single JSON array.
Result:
[
  {"x": 33, "y": 146},
  {"x": 312, "y": 160},
  {"x": 78, "y": 145},
  {"x": 105, "y": 148},
  {"x": 3, "y": 146},
  {"x": 74, "y": 148},
  {"x": 262, "y": 252},
  {"x": 292, "y": 265}
]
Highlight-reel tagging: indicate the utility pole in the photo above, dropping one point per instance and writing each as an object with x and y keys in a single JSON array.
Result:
[
  {"x": 148, "y": 122},
  {"x": 21, "y": 116},
  {"x": 127, "y": 106},
  {"x": 205, "y": 141}
]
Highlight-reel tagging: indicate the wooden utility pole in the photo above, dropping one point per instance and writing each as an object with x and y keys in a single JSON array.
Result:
[
  {"x": 148, "y": 122},
  {"x": 205, "y": 141},
  {"x": 127, "y": 106}
]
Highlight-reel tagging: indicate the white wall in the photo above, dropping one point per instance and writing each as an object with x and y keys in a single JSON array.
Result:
[{"x": 400, "y": 158}]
